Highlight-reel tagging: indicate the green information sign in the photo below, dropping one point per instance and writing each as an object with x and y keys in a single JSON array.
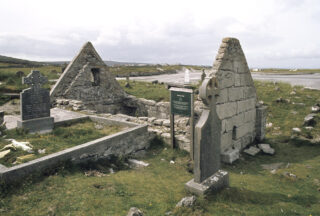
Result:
[{"x": 181, "y": 103}]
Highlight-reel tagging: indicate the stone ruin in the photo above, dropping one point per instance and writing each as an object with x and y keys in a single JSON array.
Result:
[
  {"x": 242, "y": 118},
  {"x": 88, "y": 80},
  {"x": 86, "y": 83}
]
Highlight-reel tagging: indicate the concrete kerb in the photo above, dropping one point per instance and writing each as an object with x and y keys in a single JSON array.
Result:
[{"x": 122, "y": 143}]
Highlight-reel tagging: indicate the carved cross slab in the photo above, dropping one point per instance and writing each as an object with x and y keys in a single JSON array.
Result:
[{"x": 35, "y": 79}]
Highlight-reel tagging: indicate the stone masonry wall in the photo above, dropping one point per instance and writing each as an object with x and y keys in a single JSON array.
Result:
[
  {"x": 88, "y": 79},
  {"x": 236, "y": 103}
]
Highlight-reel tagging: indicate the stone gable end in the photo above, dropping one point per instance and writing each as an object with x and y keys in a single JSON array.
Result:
[
  {"x": 236, "y": 102},
  {"x": 88, "y": 79}
]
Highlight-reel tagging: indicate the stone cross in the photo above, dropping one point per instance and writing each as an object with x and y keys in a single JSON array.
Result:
[
  {"x": 35, "y": 80},
  {"x": 207, "y": 173}
]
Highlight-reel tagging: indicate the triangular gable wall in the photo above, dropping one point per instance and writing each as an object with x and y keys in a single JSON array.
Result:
[
  {"x": 236, "y": 102},
  {"x": 87, "y": 79}
]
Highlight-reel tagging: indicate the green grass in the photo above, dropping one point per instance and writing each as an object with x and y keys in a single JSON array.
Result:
[
  {"x": 157, "y": 188},
  {"x": 288, "y": 71},
  {"x": 12, "y": 83},
  {"x": 143, "y": 70},
  {"x": 157, "y": 92},
  {"x": 149, "y": 69},
  {"x": 60, "y": 138}
]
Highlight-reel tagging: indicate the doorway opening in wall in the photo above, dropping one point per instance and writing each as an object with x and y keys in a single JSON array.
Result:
[
  {"x": 95, "y": 76},
  {"x": 234, "y": 133}
]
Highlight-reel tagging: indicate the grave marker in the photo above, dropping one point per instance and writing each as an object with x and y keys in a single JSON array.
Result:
[
  {"x": 207, "y": 174},
  {"x": 35, "y": 105}
]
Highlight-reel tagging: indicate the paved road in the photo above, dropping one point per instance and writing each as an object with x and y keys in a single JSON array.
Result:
[{"x": 307, "y": 80}]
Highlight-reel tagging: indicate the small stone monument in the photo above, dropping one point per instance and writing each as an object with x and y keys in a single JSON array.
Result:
[
  {"x": 207, "y": 174},
  {"x": 203, "y": 75},
  {"x": 35, "y": 105}
]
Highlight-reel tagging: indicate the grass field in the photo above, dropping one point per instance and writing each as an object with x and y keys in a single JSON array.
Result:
[
  {"x": 60, "y": 138},
  {"x": 287, "y": 71},
  {"x": 146, "y": 90},
  {"x": 157, "y": 188}
]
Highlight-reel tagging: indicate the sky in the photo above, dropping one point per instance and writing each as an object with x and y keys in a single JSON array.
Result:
[{"x": 272, "y": 33}]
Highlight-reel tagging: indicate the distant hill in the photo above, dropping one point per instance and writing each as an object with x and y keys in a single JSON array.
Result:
[
  {"x": 16, "y": 61},
  {"x": 109, "y": 63}
]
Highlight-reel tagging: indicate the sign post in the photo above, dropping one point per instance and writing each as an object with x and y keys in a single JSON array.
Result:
[{"x": 181, "y": 103}]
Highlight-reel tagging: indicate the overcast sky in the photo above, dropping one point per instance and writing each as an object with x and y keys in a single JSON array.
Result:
[{"x": 273, "y": 33}]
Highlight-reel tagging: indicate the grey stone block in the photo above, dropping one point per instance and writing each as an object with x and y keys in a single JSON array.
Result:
[
  {"x": 226, "y": 140},
  {"x": 223, "y": 96},
  {"x": 235, "y": 94},
  {"x": 250, "y": 116},
  {"x": 214, "y": 183},
  {"x": 230, "y": 156},
  {"x": 227, "y": 110},
  {"x": 245, "y": 105},
  {"x": 39, "y": 125},
  {"x": 252, "y": 150}
]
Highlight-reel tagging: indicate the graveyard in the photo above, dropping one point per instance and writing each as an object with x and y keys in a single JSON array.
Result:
[{"x": 117, "y": 148}]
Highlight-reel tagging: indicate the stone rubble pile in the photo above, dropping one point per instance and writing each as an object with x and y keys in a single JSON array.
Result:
[{"x": 75, "y": 105}]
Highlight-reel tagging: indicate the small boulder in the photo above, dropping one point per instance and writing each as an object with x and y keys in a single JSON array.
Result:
[
  {"x": 315, "y": 109},
  {"x": 98, "y": 126},
  {"x": 143, "y": 118},
  {"x": 252, "y": 150},
  {"x": 296, "y": 130},
  {"x": 309, "y": 120},
  {"x": 151, "y": 119},
  {"x": 269, "y": 125},
  {"x": 293, "y": 93},
  {"x": 186, "y": 202},
  {"x": 137, "y": 164},
  {"x": 166, "y": 123},
  {"x": 266, "y": 149},
  {"x": 134, "y": 212},
  {"x": 158, "y": 122}
]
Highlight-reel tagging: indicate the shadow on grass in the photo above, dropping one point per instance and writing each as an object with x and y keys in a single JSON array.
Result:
[{"x": 245, "y": 197}]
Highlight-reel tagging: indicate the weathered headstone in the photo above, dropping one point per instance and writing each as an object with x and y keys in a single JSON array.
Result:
[
  {"x": 19, "y": 73},
  {"x": 203, "y": 75},
  {"x": 2, "y": 123},
  {"x": 1, "y": 117},
  {"x": 35, "y": 105},
  {"x": 207, "y": 174}
]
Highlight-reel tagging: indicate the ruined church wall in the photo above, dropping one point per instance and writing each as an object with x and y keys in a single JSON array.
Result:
[
  {"x": 88, "y": 79},
  {"x": 236, "y": 103}
]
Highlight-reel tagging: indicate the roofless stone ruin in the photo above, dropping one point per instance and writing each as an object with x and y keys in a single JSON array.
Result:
[
  {"x": 87, "y": 79},
  {"x": 230, "y": 120}
]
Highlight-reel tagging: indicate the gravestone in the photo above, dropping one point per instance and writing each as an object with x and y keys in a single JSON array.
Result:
[
  {"x": 207, "y": 174},
  {"x": 35, "y": 105},
  {"x": 2, "y": 123},
  {"x": 19, "y": 73}
]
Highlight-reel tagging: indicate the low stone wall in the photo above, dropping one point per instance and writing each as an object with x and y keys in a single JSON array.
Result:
[
  {"x": 158, "y": 110},
  {"x": 125, "y": 142}
]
